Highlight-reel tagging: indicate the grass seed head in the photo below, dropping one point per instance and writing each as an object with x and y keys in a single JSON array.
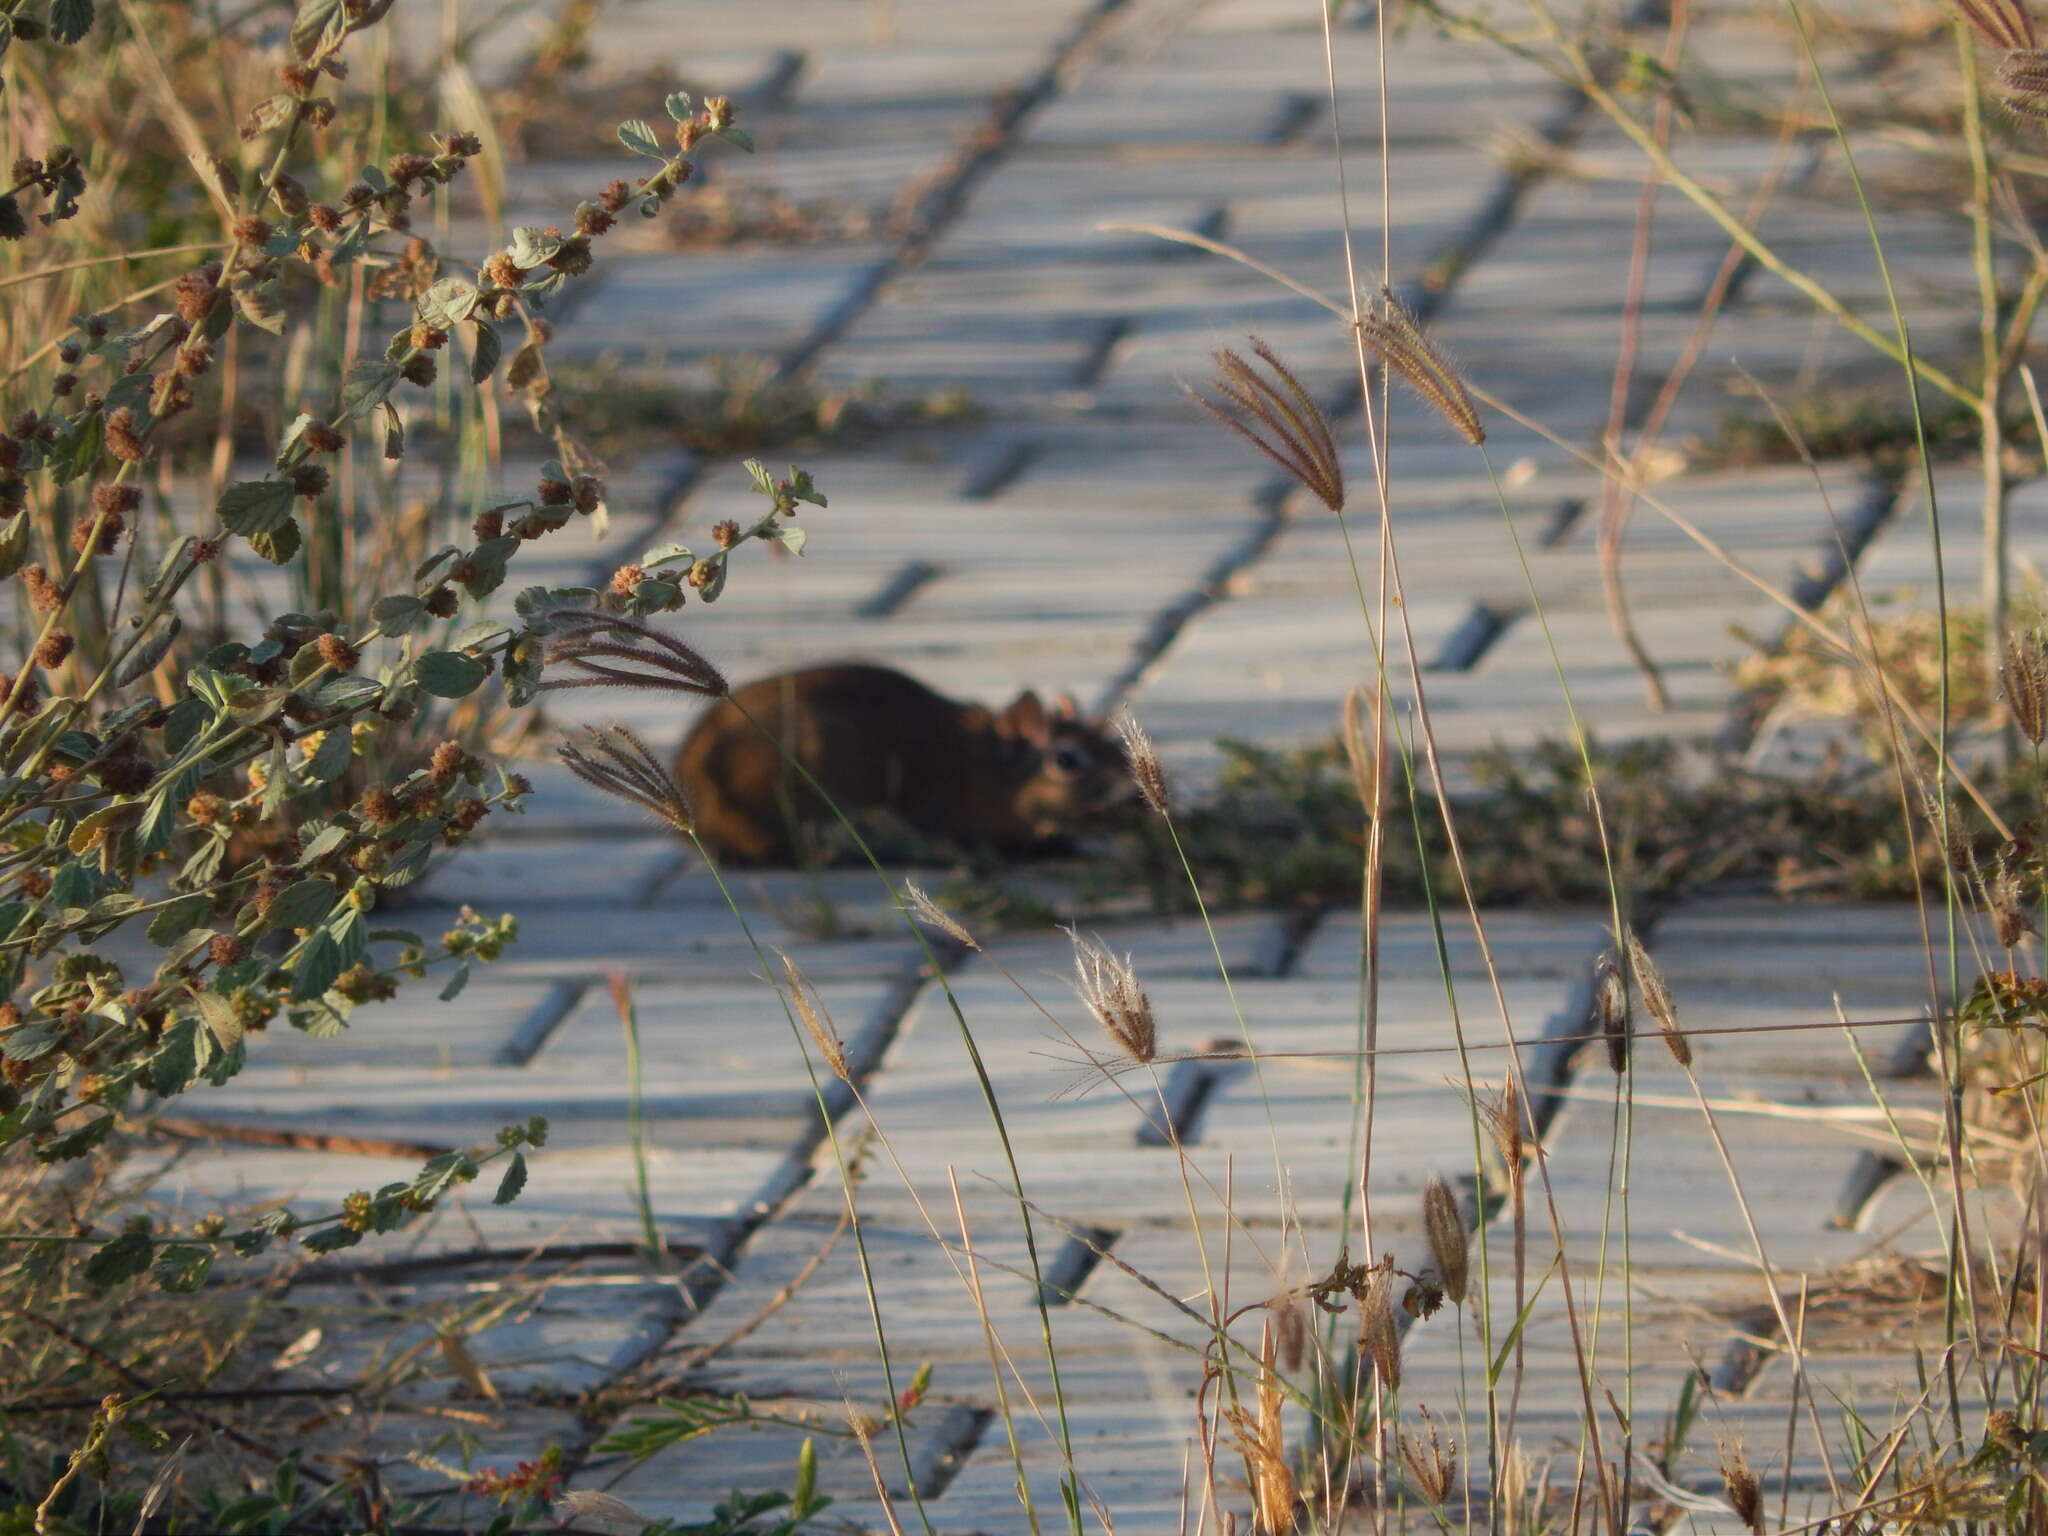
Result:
[
  {"x": 1502, "y": 1115},
  {"x": 1432, "y": 1462},
  {"x": 1277, "y": 416},
  {"x": 932, "y": 915},
  {"x": 617, "y": 762},
  {"x": 2021, "y": 82},
  {"x": 1449, "y": 1242},
  {"x": 1361, "y": 747},
  {"x": 606, "y": 650},
  {"x": 1145, "y": 770},
  {"x": 1395, "y": 337},
  {"x": 1109, "y": 988},
  {"x": 1379, "y": 1336},
  {"x": 1745, "y": 1496},
  {"x": 1610, "y": 1012},
  {"x": 1657, "y": 997},
  {"x": 817, "y": 1023},
  {"x": 2023, "y": 674},
  {"x": 2001, "y": 23}
]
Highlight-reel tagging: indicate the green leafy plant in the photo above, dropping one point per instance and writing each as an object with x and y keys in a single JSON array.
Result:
[{"x": 247, "y": 798}]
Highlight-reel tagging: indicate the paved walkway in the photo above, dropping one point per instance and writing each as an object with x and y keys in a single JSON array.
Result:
[{"x": 1089, "y": 531}]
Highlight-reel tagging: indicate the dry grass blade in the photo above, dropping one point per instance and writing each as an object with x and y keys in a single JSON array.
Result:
[
  {"x": 1110, "y": 989},
  {"x": 817, "y": 1023},
  {"x": 617, "y": 762},
  {"x": 1397, "y": 340},
  {"x": 610, "y": 651},
  {"x": 1278, "y": 417}
]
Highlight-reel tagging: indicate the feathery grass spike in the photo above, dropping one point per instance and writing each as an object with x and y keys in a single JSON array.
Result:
[{"x": 1277, "y": 416}]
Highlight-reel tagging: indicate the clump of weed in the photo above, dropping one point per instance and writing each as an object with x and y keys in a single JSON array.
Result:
[{"x": 739, "y": 405}]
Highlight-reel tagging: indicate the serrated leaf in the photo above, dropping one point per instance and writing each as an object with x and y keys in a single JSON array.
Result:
[
  {"x": 791, "y": 539},
  {"x": 153, "y": 650},
  {"x": 399, "y": 615},
  {"x": 448, "y": 674},
  {"x": 183, "y": 1267},
  {"x": 318, "y": 965},
  {"x": 448, "y": 303},
  {"x": 739, "y": 138},
  {"x": 174, "y": 1064},
  {"x": 679, "y": 105},
  {"x": 123, "y": 1259},
  {"x": 366, "y": 386},
  {"x": 525, "y": 366},
  {"x": 219, "y": 1017},
  {"x": 330, "y": 760},
  {"x": 70, "y": 20},
  {"x": 13, "y": 544},
  {"x": 533, "y": 246},
  {"x": 179, "y": 919},
  {"x": 319, "y": 25},
  {"x": 255, "y": 506},
  {"x": 280, "y": 545},
  {"x": 301, "y": 904},
  {"x": 484, "y": 355},
  {"x": 513, "y": 1182},
  {"x": 324, "y": 842},
  {"x": 260, "y": 308},
  {"x": 638, "y": 135},
  {"x": 456, "y": 983},
  {"x": 394, "y": 432}
]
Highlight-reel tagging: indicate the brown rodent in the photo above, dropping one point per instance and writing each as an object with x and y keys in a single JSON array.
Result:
[{"x": 876, "y": 739}]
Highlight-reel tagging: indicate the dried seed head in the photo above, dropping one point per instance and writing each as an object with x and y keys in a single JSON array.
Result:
[
  {"x": 1261, "y": 1440},
  {"x": 616, "y": 761},
  {"x": 2001, "y": 23},
  {"x": 617, "y": 652},
  {"x": 1379, "y": 1336},
  {"x": 2021, "y": 82},
  {"x": 1290, "y": 1326},
  {"x": 1362, "y": 747},
  {"x": 2007, "y": 899},
  {"x": 1110, "y": 989},
  {"x": 1502, "y": 1114},
  {"x": 1745, "y": 1497},
  {"x": 817, "y": 1023},
  {"x": 2023, "y": 673},
  {"x": 1657, "y": 997},
  {"x": 1144, "y": 762},
  {"x": 932, "y": 915},
  {"x": 1396, "y": 339},
  {"x": 1432, "y": 1461},
  {"x": 1449, "y": 1242},
  {"x": 1610, "y": 1012},
  {"x": 1278, "y": 417}
]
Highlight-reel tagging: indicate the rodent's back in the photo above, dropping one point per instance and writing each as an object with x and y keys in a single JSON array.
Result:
[{"x": 873, "y": 736}]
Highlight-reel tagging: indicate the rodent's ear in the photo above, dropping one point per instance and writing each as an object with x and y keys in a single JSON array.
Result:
[
  {"x": 1064, "y": 708},
  {"x": 1026, "y": 718}
]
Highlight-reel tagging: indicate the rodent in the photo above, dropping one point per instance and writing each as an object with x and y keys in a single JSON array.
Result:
[{"x": 1016, "y": 781}]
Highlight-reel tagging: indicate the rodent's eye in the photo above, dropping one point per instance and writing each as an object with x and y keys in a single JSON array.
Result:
[{"x": 1068, "y": 760}]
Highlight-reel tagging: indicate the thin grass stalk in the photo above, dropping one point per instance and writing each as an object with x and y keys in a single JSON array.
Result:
[
  {"x": 636, "y": 1125},
  {"x": 867, "y": 1272},
  {"x": 1070, "y": 1481},
  {"x": 1614, "y": 505},
  {"x": 1990, "y": 431},
  {"x": 988, "y": 1330},
  {"x": 1951, "y": 1047}
]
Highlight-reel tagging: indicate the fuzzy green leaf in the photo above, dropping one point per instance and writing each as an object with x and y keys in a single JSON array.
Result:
[
  {"x": 448, "y": 674},
  {"x": 255, "y": 506},
  {"x": 513, "y": 1182}
]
